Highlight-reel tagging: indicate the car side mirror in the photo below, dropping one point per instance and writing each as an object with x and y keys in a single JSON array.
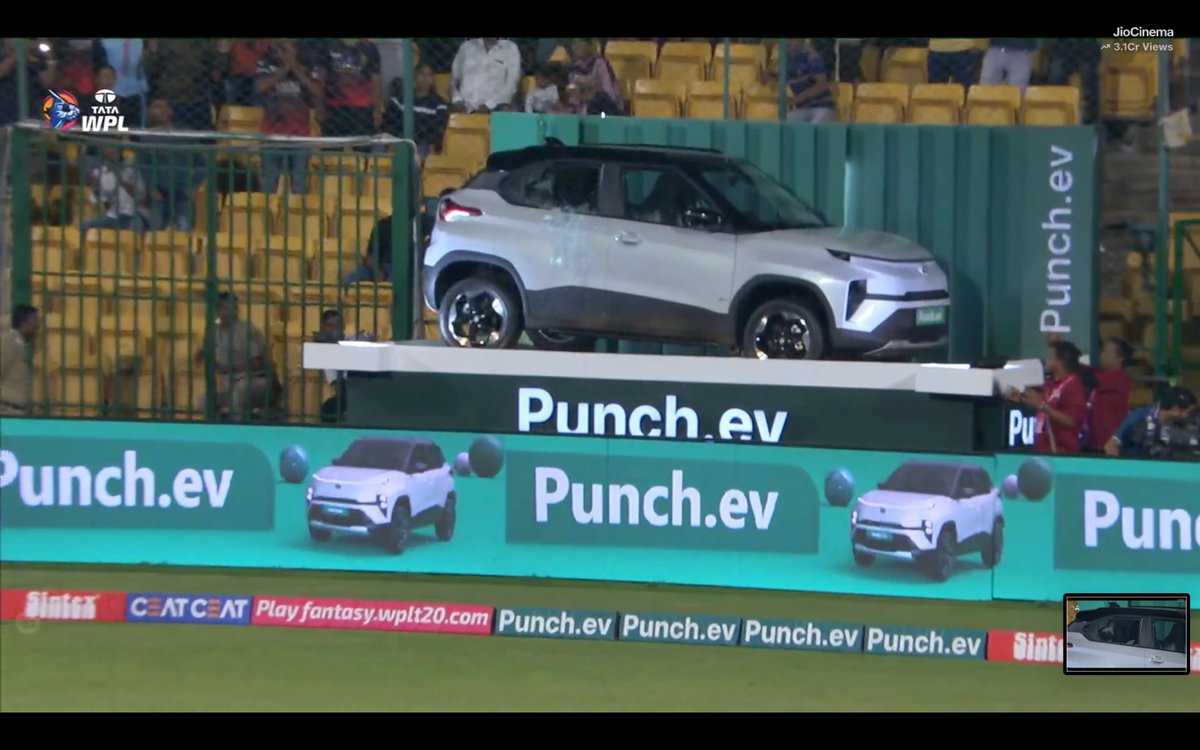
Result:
[
  {"x": 969, "y": 492},
  {"x": 699, "y": 218},
  {"x": 420, "y": 466}
]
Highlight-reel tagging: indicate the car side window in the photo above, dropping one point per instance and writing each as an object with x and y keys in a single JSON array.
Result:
[
  {"x": 964, "y": 486},
  {"x": 564, "y": 186},
  {"x": 1119, "y": 631},
  {"x": 981, "y": 481},
  {"x": 663, "y": 196},
  {"x": 419, "y": 461},
  {"x": 1169, "y": 636},
  {"x": 436, "y": 458}
]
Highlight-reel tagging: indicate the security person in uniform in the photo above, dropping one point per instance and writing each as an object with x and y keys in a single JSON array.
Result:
[
  {"x": 245, "y": 381},
  {"x": 1169, "y": 429},
  {"x": 16, "y": 374}
]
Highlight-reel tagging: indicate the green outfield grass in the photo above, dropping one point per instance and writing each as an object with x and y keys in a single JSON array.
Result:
[{"x": 124, "y": 667}]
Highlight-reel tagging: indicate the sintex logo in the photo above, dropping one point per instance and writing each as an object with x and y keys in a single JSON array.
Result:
[
  {"x": 636, "y": 501},
  {"x": 73, "y": 483}
]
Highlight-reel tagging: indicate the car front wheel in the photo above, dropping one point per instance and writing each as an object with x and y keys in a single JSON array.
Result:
[
  {"x": 395, "y": 535},
  {"x": 864, "y": 559},
  {"x": 783, "y": 328},
  {"x": 319, "y": 535},
  {"x": 444, "y": 528},
  {"x": 480, "y": 313},
  {"x": 939, "y": 563}
]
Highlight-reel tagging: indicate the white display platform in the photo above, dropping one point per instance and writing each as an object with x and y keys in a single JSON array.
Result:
[{"x": 427, "y": 357}]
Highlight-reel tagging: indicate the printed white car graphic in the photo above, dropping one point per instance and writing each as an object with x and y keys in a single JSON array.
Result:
[
  {"x": 929, "y": 513},
  {"x": 383, "y": 488}
]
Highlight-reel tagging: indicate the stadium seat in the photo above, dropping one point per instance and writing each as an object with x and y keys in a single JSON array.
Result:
[
  {"x": 138, "y": 300},
  {"x": 760, "y": 103},
  {"x": 246, "y": 214},
  {"x": 55, "y": 249},
  {"x": 441, "y": 84},
  {"x": 843, "y": 99},
  {"x": 1050, "y": 105},
  {"x": 301, "y": 216},
  {"x": 468, "y": 137},
  {"x": 110, "y": 252},
  {"x": 1128, "y": 84},
  {"x": 231, "y": 256},
  {"x": 235, "y": 119},
  {"x": 658, "y": 98},
  {"x": 993, "y": 105},
  {"x": 167, "y": 255},
  {"x": 706, "y": 100},
  {"x": 375, "y": 320},
  {"x": 936, "y": 104},
  {"x": 76, "y": 388},
  {"x": 746, "y": 63},
  {"x": 283, "y": 259},
  {"x": 631, "y": 60},
  {"x": 880, "y": 102},
  {"x": 906, "y": 65},
  {"x": 683, "y": 61}
]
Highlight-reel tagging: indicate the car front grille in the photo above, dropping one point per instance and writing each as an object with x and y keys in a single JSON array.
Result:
[
  {"x": 898, "y": 543},
  {"x": 354, "y": 517}
]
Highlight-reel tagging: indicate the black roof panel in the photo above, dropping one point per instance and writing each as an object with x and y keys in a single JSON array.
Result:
[{"x": 507, "y": 160}]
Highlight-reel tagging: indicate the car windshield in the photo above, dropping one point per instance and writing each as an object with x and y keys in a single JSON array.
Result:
[
  {"x": 759, "y": 200},
  {"x": 376, "y": 454},
  {"x": 922, "y": 479}
]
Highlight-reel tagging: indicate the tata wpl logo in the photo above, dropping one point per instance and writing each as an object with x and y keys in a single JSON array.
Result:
[{"x": 61, "y": 111}]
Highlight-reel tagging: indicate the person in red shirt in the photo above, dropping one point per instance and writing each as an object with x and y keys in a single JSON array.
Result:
[
  {"x": 1061, "y": 404},
  {"x": 1109, "y": 402},
  {"x": 287, "y": 84},
  {"x": 353, "y": 88},
  {"x": 244, "y": 57}
]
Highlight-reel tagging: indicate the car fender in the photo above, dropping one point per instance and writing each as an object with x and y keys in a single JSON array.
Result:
[
  {"x": 432, "y": 273},
  {"x": 754, "y": 283}
]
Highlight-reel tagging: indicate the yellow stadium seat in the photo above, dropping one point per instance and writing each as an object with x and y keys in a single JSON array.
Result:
[
  {"x": 246, "y": 214},
  {"x": 304, "y": 320},
  {"x": 355, "y": 227},
  {"x": 283, "y": 259},
  {"x": 658, "y": 98},
  {"x": 880, "y": 102},
  {"x": 631, "y": 48},
  {"x": 993, "y": 105},
  {"x": 231, "y": 256},
  {"x": 1128, "y": 83},
  {"x": 683, "y": 61},
  {"x": 760, "y": 103},
  {"x": 906, "y": 65},
  {"x": 138, "y": 299},
  {"x": 441, "y": 84},
  {"x": 1050, "y": 105},
  {"x": 746, "y": 63},
  {"x": 76, "y": 390},
  {"x": 843, "y": 99},
  {"x": 375, "y": 320},
  {"x": 468, "y": 137},
  {"x": 936, "y": 104},
  {"x": 631, "y": 59},
  {"x": 528, "y": 83},
  {"x": 235, "y": 119},
  {"x": 706, "y": 100},
  {"x": 110, "y": 252},
  {"x": 302, "y": 216},
  {"x": 442, "y": 172},
  {"x": 55, "y": 249}
]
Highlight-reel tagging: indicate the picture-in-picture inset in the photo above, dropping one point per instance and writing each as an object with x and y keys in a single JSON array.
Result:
[{"x": 1127, "y": 633}]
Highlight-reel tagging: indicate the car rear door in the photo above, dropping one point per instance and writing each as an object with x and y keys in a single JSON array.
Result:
[
  {"x": 667, "y": 274},
  {"x": 1167, "y": 643}
]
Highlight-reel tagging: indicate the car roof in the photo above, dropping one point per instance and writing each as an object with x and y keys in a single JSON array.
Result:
[
  {"x": 1093, "y": 614},
  {"x": 515, "y": 159},
  {"x": 394, "y": 440},
  {"x": 943, "y": 465}
]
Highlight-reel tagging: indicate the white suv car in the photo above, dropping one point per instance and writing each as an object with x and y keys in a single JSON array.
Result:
[
  {"x": 930, "y": 513},
  {"x": 1128, "y": 638},
  {"x": 669, "y": 244},
  {"x": 383, "y": 488}
]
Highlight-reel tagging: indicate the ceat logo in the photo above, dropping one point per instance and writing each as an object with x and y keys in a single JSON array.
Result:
[{"x": 188, "y": 608}]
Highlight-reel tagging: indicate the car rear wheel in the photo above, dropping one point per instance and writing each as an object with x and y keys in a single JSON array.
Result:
[
  {"x": 319, "y": 535},
  {"x": 995, "y": 545},
  {"x": 783, "y": 328},
  {"x": 556, "y": 341},
  {"x": 395, "y": 535},
  {"x": 444, "y": 528},
  {"x": 864, "y": 559},
  {"x": 939, "y": 564},
  {"x": 480, "y": 313}
]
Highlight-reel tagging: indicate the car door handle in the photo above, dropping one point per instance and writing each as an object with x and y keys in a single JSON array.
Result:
[
  {"x": 1156, "y": 660},
  {"x": 628, "y": 238}
]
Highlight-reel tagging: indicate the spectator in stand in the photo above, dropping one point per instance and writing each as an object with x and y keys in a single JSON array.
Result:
[
  {"x": 1008, "y": 61},
  {"x": 1141, "y": 434},
  {"x": 593, "y": 79},
  {"x": 16, "y": 373},
  {"x": 332, "y": 331},
  {"x": 1061, "y": 404},
  {"x": 119, "y": 189},
  {"x": 544, "y": 97},
  {"x": 377, "y": 259},
  {"x": 125, "y": 56},
  {"x": 172, "y": 174},
  {"x": 808, "y": 81},
  {"x": 485, "y": 75},
  {"x": 245, "y": 379},
  {"x": 185, "y": 72},
  {"x": 245, "y": 55},
  {"x": 1108, "y": 404},
  {"x": 955, "y": 60},
  {"x": 430, "y": 111},
  {"x": 353, "y": 89},
  {"x": 286, "y": 85},
  {"x": 77, "y": 61},
  {"x": 1082, "y": 56}
]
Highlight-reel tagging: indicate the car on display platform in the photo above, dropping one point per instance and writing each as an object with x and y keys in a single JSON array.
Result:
[
  {"x": 383, "y": 488},
  {"x": 930, "y": 513},
  {"x": 572, "y": 243},
  {"x": 1128, "y": 638}
]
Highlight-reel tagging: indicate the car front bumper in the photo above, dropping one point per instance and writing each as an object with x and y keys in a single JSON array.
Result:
[
  {"x": 346, "y": 518},
  {"x": 898, "y": 334},
  {"x": 899, "y": 544}
]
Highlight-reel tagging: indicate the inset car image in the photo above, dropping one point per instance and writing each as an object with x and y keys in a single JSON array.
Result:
[
  {"x": 930, "y": 513},
  {"x": 1128, "y": 638},
  {"x": 383, "y": 488}
]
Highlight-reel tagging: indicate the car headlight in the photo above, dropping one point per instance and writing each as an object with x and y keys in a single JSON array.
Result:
[
  {"x": 308, "y": 494},
  {"x": 382, "y": 502},
  {"x": 927, "y": 527},
  {"x": 854, "y": 517}
]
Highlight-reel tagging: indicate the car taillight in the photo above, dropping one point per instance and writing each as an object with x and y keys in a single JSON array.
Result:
[{"x": 451, "y": 211}]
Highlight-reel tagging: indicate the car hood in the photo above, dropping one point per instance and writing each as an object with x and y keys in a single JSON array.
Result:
[
  {"x": 352, "y": 483},
  {"x": 899, "y": 508},
  {"x": 862, "y": 242}
]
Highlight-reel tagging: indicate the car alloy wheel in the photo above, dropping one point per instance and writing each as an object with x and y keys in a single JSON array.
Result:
[
  {"x": 444, "y": 528},
  {"x": 995, "y": 545},
  {"x": 939, "y": 563},
  {"x": 782, "y": 335},
  {"x": 395, "y": 534},
  {"x": 479, "y": 313}
]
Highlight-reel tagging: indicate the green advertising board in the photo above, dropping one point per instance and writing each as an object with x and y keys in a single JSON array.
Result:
[{"x": 601, "y": 509}]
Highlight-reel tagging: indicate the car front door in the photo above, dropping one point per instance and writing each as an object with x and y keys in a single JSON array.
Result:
[
  {"x": 669, "y": 261},
  {"x": 1112, "y": 642},
  {"x": 560, "y": 252},
  {"x": 977, "y": 500}
]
